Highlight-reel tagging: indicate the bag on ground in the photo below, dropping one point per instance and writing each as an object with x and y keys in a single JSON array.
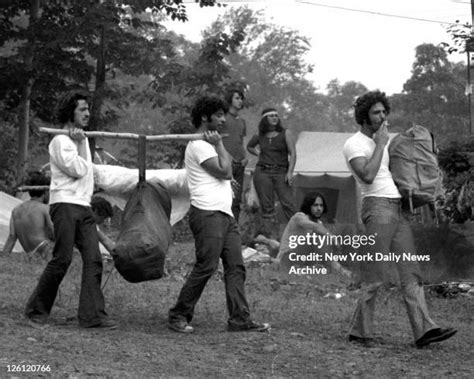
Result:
[
  {"x": 252, "y": 199},
  {"x": 414, "y": 165},
  {"x": 145, "y": 234}
]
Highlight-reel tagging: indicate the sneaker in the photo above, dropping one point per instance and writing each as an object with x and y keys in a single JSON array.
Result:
[
  {"x": 38, "y": 319},
  {"x": 435, "y": 335},
  {"x": 250, "y": 326},
  {"x": 105, "y": 323},
  {"x": 180, "y": 327}
]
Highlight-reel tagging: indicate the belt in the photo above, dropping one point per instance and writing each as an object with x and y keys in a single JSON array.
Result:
[
  {"x": 271, "y": 167},
  {"x": 389, "y": 199}
]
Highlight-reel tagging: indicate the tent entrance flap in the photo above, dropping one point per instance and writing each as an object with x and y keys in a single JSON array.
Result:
[
  {"x": 321, "y": 166},
  {"x": 341, "y": 195}
]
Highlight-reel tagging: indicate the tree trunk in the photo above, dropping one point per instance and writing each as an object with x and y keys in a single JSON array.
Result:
[
  {"x": 24, "y": 108},
  {"x": 99, "y": 92}
]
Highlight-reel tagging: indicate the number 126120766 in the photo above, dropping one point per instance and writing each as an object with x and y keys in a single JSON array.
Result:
[{"x": 28, "y": 368}]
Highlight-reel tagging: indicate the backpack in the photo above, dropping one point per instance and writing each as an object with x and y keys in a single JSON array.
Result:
[{"x": 414, "y": 166}]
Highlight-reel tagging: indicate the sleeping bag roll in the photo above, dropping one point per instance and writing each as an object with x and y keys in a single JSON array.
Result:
[{"x": 145, "y": 234}]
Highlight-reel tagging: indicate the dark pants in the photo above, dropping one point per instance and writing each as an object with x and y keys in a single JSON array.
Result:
[
  {"x": 216, "y": 235},
  {"x": 269, "y": 181},
  {"x": 73, "y": 225},
  {"x": 238, "y": 175},
  {"x": 385, "y": 219}
]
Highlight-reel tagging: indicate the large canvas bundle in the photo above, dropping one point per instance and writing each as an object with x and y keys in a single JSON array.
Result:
[
  {"x": 145, "y": 234},
  {"x": 414, "y": 165},
  {"x": 117, "y": 183}
]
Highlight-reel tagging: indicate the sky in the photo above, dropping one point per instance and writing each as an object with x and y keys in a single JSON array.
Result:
[{"x": 368, "y": 41}]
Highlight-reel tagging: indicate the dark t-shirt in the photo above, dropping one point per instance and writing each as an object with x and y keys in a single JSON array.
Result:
[
  {"x": 234, "y": 143},
  {"x": 273, "y": 151}
]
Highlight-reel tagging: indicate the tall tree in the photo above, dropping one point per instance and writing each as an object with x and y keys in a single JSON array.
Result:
[
  {"x": 201, "y": 69},
  {"x": 24, "y": 114},
  {"x": 434, "y": 95},
  {"x": 271, "y": 61},
  {"x": 340, "y": 98},
  {"x": 62, "y": 44}
]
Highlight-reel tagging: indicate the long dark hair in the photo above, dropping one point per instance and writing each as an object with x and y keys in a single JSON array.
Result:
[
  {"x": 264, "y": 126},
  {"x": 68, "y": 104},
  {"x": 309, "y": 200}
]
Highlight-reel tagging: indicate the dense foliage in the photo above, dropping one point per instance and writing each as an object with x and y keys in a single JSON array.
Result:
[
  {"x": 457, "y": 162},
  {"x": 53, "y": 46}
]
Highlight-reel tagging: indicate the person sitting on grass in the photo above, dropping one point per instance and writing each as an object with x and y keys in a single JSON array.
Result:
[
  {"x": 30, "y": 222},
  {"x": 307, "y": 220}
]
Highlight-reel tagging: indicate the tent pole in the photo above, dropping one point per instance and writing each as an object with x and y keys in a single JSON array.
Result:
[{"x": 142, "y": 158}]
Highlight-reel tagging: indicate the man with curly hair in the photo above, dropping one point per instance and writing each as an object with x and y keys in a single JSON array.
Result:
[
  {"x": 72, "y": 185},
  {"x": 366, "y": 154},
  {"x": 215, "y": 230}
]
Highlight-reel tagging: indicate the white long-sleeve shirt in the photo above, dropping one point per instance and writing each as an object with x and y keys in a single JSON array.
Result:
[{"x": 72, "y": 178}]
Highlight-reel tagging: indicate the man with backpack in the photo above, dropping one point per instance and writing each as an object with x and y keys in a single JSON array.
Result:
[{"x": 367, "y": 157}]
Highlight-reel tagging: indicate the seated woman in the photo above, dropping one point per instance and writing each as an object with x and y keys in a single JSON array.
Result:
[{"x": 307, "y": 220}]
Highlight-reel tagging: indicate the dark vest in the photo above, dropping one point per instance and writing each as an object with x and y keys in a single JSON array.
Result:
[{"x": 273, "y": 151}]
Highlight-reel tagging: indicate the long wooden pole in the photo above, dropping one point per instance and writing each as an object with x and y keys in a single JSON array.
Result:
[
  {"x": 163, "y": 137},
  {"x": 32, "y": 188}
]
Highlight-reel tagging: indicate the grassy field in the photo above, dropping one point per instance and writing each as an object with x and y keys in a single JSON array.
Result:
[{"x": 308, "y": 336}]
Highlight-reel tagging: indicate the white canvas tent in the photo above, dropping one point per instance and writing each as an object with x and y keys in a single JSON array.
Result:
[{"x": 320, "y": 166}]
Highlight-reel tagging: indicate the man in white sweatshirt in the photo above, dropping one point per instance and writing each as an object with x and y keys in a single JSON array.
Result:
[{"x": 72, "y": 185}]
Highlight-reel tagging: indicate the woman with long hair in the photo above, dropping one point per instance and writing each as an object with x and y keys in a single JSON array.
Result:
[
  {"x": 307, "y": 221},
  {"x": 276, "y": 162}
]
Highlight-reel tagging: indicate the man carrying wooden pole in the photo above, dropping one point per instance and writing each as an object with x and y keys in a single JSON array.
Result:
[{"x": 72, "y": 185}]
